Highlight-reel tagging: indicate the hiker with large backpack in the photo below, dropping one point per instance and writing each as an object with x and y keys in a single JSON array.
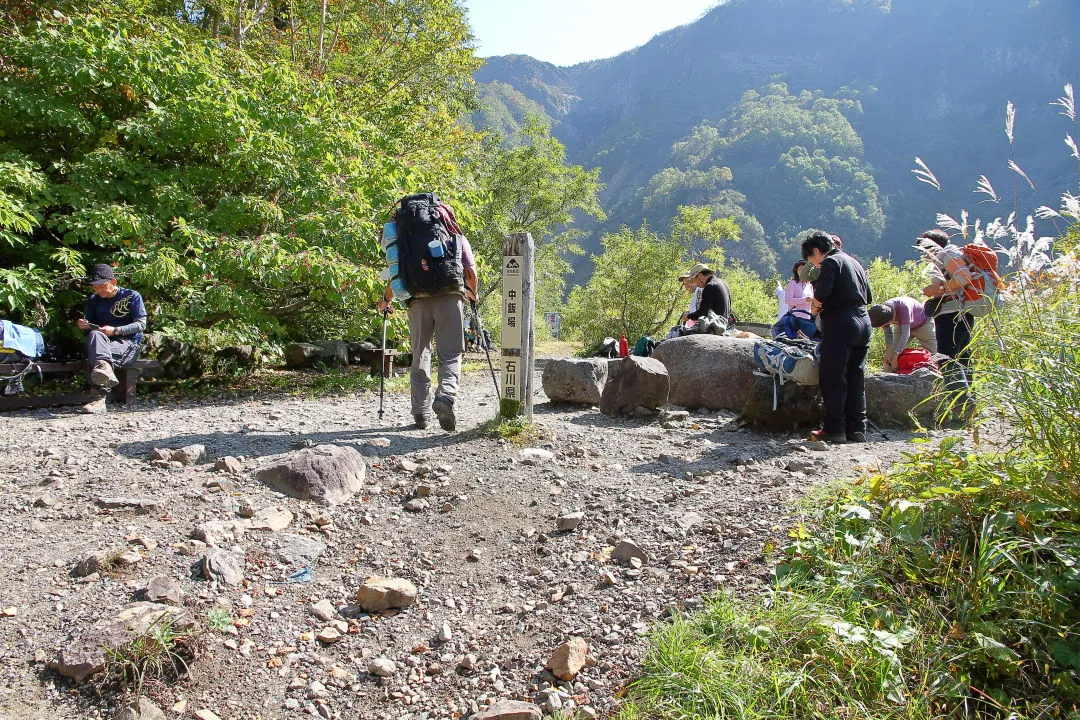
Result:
[
  {"x": 433, "y": 271},
  {"x": 841, "y": 294},
  {"x": 963, "y": 286}
]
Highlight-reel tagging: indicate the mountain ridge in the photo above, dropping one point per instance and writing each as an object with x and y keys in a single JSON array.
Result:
[{"x": 932, "y": 79}]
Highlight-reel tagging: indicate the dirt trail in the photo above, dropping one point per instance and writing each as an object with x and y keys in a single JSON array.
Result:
[{"x": 499, "y": 586}]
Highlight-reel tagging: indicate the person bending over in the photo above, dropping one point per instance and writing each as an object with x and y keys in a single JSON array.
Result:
[{"x": 909, "y": 319}]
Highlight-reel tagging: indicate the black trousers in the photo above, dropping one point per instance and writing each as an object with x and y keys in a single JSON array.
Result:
[
  {"x": 845, "y": 340},
  {"x": 953, "y": 332}
]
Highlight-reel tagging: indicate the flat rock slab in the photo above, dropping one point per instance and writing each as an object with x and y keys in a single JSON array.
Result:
[
  {"x": 511, "y": 710},
  {"x": 325, "y": 474},
  {"x": 296, "y": 550},
  {"x": 575, "y": 381},
  {"x": 140, "y": 505},
  {"x": 708, "y": 371},
  {"x": 85, "y": 656},
  {"x": 163, "y": 589},
  {"x": 634, "y": 382},
  {"x": 272, "y": 519}
]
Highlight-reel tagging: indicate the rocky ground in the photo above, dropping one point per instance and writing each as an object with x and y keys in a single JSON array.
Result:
[{"x": 471, "y": 520}]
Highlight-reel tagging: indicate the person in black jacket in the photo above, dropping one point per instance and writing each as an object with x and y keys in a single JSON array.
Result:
[
  {"x": 715, "y": 295},
  {"x": 841, "y": 294}
]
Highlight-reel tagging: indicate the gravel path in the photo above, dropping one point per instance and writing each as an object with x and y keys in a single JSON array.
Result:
[{"x": 499, "y": 585}]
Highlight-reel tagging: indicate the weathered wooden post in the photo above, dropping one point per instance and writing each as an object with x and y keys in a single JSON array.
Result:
[{"x": 518, "y": 308}]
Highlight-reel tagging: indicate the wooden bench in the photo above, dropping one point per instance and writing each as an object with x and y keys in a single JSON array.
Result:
[
  {"x": 123, "y": 393},
  {"x": 371, "y": 358}
]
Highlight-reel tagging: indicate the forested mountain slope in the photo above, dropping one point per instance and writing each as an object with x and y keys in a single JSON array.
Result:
[{"x": 910, "y": 77}]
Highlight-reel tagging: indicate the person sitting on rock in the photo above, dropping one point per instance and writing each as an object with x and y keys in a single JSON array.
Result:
[
  {"x": 909, "y": 317},
  {"x": 715, "y": 295},
  {"x": 114, "y": 322}
]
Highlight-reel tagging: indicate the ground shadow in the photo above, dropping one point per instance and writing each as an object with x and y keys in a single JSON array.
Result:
[{"x": 256, "y": 444}]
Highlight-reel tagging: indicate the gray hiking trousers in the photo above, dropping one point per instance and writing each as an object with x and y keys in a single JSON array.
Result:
[
  {"x": 439, "y": 317},
  {"x": 119, "y": 351}
]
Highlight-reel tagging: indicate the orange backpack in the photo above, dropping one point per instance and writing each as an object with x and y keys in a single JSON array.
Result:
[{"x": 982, "y": 261}]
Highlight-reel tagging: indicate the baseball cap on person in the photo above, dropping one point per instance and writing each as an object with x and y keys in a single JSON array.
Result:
[
  {"x": 695, "y": 271},
  {"x": 100, "y": 273}
]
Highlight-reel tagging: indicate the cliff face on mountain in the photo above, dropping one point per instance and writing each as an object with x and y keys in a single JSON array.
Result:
[{"x": 926, "y": 78}]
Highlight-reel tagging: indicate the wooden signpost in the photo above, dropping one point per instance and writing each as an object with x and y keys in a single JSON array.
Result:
[{"x": 518, "y": 308}]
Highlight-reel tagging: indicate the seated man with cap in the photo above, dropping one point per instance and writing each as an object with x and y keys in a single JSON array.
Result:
[
  {"x": 715, "y": 296},
  {"x": 115, "y": 318},
  {"x": 910, "y": 319}
]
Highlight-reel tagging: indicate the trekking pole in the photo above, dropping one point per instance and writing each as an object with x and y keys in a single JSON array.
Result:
[
  {"x": 876, "y": 429},
  {"x": 382, "y": 364},
  {"x": 480, "y": 324}
]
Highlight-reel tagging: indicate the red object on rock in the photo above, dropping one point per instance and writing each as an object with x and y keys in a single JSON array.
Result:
[
  {"x": 911, "y": 359},
  {"x": 624, "y": 347}
]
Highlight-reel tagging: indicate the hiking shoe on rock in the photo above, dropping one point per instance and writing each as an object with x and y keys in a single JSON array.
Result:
[
  {"x": 103, "y": 375},
  {"x": 420, "y": 421},
  {"x": 443, "y": 407},
  {"x": 822, "y": 436},
  {"x": 94, "y": 407},
  {"x": 856, "y": 437}
]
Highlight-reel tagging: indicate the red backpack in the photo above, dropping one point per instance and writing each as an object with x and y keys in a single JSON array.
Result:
[{"x": 911, "y": 359}]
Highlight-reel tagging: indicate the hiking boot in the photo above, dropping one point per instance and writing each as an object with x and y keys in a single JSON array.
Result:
[
  {"x": 822, "y": 436},
  {"x": 856, "y": 437},
  {"x": 420, "y": 421},
  {"x": 94, "y": 407},
  {"x": 443, "y": 407},
  {"x": 102, "y": 375}
]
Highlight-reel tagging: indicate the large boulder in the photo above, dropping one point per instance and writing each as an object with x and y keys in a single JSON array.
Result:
[
  {"x": 796, "y": 405},
  {"x": 176, "y": 359},
  {"x": 891, "y": 399},
  {"x": 237, "y": 356},
  {"x": 326, "y": 474},
  {"x": 575, "y": 381},
  {"x": 301, "y": 355},
  {"x": 634, "y": 382},
  {"x": 334, "y": 353},
  {"x": 708, "y": 371}
]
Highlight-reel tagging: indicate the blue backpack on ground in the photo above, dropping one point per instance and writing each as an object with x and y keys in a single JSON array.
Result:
[{"x": 782, "y": 360}]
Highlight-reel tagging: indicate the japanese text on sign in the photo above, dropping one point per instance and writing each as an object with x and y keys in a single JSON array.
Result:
[{"x": 512, "y": 380}]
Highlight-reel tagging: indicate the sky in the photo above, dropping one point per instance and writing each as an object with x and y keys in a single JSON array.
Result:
[{"x": 567, "y": 32}]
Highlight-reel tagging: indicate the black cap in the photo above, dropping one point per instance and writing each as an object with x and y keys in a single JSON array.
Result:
[{"x": 100, "y": 273}]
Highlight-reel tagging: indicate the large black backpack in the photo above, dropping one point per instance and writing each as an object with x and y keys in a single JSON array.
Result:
[{"x": 420, "y": 222}]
